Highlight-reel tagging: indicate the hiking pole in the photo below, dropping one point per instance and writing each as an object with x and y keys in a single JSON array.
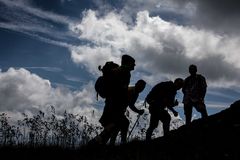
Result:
[{"x": 133, "y": 126}]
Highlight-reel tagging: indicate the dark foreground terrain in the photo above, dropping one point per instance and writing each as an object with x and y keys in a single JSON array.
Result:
[{"x": 217, "y": 137}]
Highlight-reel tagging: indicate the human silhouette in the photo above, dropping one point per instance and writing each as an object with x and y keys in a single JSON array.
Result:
[
  {"x": 133, "y": 93},
  {"x": 194, "y": 90},
  {"x": 116, "y": 100},
  {"x": 160, "y": 98}
]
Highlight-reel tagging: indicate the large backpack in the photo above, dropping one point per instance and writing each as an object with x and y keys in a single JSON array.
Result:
[
  {"x": 103, "y": 82},
  {"x": 159, "y": 91}
]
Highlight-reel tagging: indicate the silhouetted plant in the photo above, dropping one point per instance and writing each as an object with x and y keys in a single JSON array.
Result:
[
  {"x": 9, "y": 133},
  {"x": 68, "y": 130}
]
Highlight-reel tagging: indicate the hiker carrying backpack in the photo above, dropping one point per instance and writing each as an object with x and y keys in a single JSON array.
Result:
[
  {"x": 114, "y": 87},
  {"x": 103, "y": 83},
  {"x": 160, "y": 98},
  {"x": 158, "y": 93}
]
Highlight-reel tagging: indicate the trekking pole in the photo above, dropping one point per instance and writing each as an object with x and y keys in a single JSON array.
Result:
[{"x": 133, "y": 126}]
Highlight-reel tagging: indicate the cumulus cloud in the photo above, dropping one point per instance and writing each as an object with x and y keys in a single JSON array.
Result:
[
  {"x": 160, "y": 47},
  {"x": 221, "y": 16},
  {"x": 22, "y": 91},
  {"x": 168, "y": 9},
  {"x": 155, "y": 43}
]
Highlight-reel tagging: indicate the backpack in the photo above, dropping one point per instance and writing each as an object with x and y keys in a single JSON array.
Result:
[
  {"x": 157, "y": 92},
  {"x": 149, "y": 99},
  {"x": 102, "y": 83}
]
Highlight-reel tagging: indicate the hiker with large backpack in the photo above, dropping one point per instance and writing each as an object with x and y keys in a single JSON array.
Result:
[
  {"x": 133, "y": 93},
  {"x": 161, "y": 98},
  {"x": 116, "y": 98}
]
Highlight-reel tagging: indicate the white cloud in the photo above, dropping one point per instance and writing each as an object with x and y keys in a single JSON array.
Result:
[
  {"x": 49, "y": 69},
  {"x": 186, "y": 9},
  {"x": 22, "y": 17},
  {"x": 92, "y": 57},
  {"x": 22, "y": 91},
  {"x": 163, "y": 50},
  {"x": 26, "y": 7},
  {"x": 160, "y": 47},
  {"x": 33, "y": 32}
]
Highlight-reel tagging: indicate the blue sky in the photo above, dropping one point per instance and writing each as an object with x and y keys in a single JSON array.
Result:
[{"x": 50, "y": 50}]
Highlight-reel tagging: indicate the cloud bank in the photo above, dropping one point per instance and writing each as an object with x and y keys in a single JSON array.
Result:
[
  {"x": 22, "y": 91},
  {"x": 160, "y": 47},
  {"x": 163, "y": 49},
  {"x": 220, "y": 16}
]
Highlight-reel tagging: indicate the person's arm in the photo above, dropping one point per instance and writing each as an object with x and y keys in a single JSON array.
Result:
[
  {"x": 133, "y": 107},
  {"x": 175, "y": 113},
  {"x": 203, "y": 87},
  {"x": 139, "y": 111},
  {"x": 185, "y": 84},
  {"x": 173, "y": 104}
]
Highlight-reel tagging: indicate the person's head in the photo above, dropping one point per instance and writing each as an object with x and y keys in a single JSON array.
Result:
[
  {"x": 178, "y": 82},
  {"x": 140, "y": 85},
  {"x": 128, "y": 61},
  {"x": 193, "y": 69}
]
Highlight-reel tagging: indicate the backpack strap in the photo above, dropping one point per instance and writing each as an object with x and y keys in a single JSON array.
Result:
[
  {"x": 145, "y": 103},
  {"x": 97, "y": 96}
]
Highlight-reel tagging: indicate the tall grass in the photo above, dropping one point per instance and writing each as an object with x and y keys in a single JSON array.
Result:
[
  {"x": 68, "y": 130},
  {"x": 40, "y": 130}
]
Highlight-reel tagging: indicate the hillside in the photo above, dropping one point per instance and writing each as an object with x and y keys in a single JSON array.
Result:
[{"x": 217, "y": 137}]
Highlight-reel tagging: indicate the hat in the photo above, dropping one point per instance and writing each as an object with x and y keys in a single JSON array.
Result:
[{"x": 126, "y": 59}]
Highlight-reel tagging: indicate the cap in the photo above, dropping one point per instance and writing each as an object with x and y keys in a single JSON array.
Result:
[{"x": 126, "y": 59}]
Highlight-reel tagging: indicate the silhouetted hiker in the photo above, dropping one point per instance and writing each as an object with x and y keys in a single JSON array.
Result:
[
  {"x": 161, "y": 98},
  {"x": 116, "y": 100},
  {"x": 194, "y": 90},
  {"x": 133, "y": 93}
]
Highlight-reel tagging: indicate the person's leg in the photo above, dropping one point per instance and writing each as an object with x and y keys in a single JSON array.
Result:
[
  {"x": 188, "y": 113},
  {"x": 153, "y": 124},
  {"x": 124, "y": 129},
  {"x": 106, "y": 121},
  {"x": 105, "y": 135},
  {"x": 201, "y": 107},
  {"x": 165, "y": 118},
  {"x": 114, "y": 136}
]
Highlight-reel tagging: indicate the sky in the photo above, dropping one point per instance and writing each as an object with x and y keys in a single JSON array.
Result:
[{"x": 50, "y": 50}]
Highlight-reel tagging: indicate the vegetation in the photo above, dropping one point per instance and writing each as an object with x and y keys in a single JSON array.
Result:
[
  {"x": 215, "y": 137},
  {"x": 67, "y": 131}
]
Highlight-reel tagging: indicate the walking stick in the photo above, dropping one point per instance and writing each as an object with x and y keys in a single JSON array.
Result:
[{"x": 133, "y": 126}]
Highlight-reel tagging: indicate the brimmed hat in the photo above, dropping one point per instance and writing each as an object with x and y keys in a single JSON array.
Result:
[{"x": 126, "y": 59}]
